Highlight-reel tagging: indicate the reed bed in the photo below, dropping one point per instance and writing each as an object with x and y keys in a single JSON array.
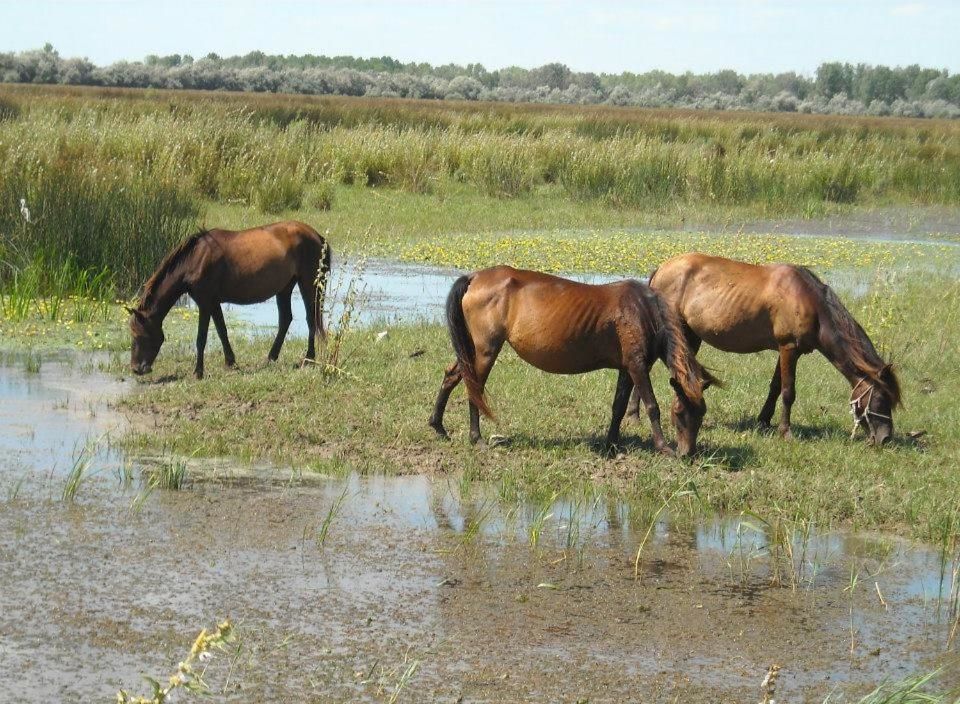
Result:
[{"x": 113, "y": 179}]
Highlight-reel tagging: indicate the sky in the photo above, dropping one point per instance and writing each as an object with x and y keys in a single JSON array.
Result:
[{"x": 603, "y": 36}]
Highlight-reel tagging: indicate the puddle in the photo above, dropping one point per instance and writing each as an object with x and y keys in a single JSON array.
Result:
[
  {"x": 52, "y": 407},
  {"x": 420, "y": 569},
  {"x": 395, "y": 293},
  {"x": 391, "y": 293}
]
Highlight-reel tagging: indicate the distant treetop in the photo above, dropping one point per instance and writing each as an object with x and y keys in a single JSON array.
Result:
[{"x": 837, "y": 88}]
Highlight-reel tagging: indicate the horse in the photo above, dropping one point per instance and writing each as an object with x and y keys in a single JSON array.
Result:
[
  {"x": 224, "y": 266},
  {"x": 744, "y": 308},
  {"x": 565, "y": 327}
]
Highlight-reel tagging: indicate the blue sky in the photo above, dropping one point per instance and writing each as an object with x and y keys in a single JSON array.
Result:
[{"x": 746, "y": 35}]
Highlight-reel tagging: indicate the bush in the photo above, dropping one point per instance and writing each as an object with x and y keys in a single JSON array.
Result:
[
  {"x": 278, "y": 192},
  {"x": 93, "y": 222},
  {"x": 9, "y": 110},
  {"x": 320, "y": 196}
]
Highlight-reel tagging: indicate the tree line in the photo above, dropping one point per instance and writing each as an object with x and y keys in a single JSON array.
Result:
[{"x": 836, "y": 88}]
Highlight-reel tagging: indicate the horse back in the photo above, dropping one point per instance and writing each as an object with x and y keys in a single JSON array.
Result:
[
  {"x": 247, "y": 266},
  {"x": 555, "y": 324},
  {"x": 739, "y": 307}
]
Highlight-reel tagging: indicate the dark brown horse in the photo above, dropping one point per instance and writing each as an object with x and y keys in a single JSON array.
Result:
[
  {"x": 739, "y": 307},
  {"x": 222, "y": 266},
  {"x": 565, "y": 327}
]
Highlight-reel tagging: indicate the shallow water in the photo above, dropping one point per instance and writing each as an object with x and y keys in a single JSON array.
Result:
[
  {"x": 394, "y": 293},
  {"x": 417, "y": 569},
  {"x": 388, "y": 293}
]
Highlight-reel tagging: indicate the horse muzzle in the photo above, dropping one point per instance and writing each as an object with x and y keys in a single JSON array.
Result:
[
  {"x": 141, "y": 369},
  {"x": 880, "y": 437}
]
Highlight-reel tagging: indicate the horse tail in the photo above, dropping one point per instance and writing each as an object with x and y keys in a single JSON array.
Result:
[
  {"x": 463, "y": 344},
  {"x": 843, "y": 331},
  {"x": 323, "y": 277},
  {"x": 652, "y": 274},
  {"x": 692, "y": 376}
]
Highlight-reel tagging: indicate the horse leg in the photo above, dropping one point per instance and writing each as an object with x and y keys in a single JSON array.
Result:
[
  {"x": 788, "y": 373},
  {"x": 450, "y": 380},
  {"x": 770, "y": 405},
  {"x": 202, "y": 329},
  {"x": 694, "y": 341},
  {"x": 308, "y": 293},
  {"x": 218, "y": 322},
  {"x": 641, "y": 380},
  {"x": 285, "y": 317},
  {"x": 486, "y": 356},
  {"x": 620, "y": 399}
]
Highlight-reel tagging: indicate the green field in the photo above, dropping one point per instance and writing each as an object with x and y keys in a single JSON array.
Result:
[{"x": 115, "y": 178}]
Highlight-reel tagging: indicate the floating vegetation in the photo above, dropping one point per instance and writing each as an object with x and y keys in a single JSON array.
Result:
[{"x": 641, "y": 253}]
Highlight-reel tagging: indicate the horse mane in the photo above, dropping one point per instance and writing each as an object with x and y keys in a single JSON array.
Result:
[
  {"x": 689, "y": 373},
  {"x": 176, "y": 255},
  {"x": 854, "y": 339}
]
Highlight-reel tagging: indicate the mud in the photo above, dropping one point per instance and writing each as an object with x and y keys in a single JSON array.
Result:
[{"x": 425, "y": 570}]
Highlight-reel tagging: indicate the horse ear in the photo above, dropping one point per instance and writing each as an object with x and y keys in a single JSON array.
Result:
[{"x": 130, "y": 310}]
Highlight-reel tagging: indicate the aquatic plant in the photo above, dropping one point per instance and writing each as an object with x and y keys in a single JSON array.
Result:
[
  {"x": 79, "y": 472},
  {"x": 332, "y": 513},
  {"x": 190, "y": 671}
]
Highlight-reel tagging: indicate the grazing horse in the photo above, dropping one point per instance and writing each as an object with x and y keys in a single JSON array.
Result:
[
  {"x": 565, "y": 327},
  {"x": 739, "y": 307},
  {"x": 222, "y": 266}
]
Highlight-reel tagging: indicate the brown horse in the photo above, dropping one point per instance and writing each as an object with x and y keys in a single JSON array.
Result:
[
  {"x": 565, "y": 327},
  {"x": 739, "y": 307},
  {"x": 222, "y": 266}
]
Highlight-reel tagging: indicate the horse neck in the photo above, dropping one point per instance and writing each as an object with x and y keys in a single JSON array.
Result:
[
  {"x": 837, "y": 351},
  {"x": 166, "y": 293}
]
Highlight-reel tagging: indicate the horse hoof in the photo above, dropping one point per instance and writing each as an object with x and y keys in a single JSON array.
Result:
[
  {"x": 667, "y": 451},
  {"x": 441, "y": 431},
  {"x": 786, "y": 434},
  {"x": 764, "y": 426}
]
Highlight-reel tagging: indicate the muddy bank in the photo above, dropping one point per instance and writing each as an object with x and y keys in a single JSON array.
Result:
[
  {"x": 493, "y": 600},
  {"x": 93, "y": 595}
]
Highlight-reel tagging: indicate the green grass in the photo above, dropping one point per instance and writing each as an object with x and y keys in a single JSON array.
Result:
[
  {"x": 114, "y": 179},
  {"x": 374, "y": 419}
]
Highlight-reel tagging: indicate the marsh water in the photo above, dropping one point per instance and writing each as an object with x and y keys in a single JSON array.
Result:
[
  {"x": 428, "y": 587},
  {"x": 382, "y": 292}
]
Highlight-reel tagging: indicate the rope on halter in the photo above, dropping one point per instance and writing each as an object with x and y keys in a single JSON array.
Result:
[{"x": 864, "y": 415}]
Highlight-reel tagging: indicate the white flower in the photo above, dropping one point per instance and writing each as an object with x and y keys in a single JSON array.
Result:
[{"x": 24, "y": 210}]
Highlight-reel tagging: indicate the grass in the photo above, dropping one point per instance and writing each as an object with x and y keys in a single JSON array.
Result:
[
  {"x": 913, "y": 690},
  {"x": 324, "y": 530},
  {"x": 79, "y": 472},
  {"x": 113, "y": 179},
  {"x": 376, "y": 417}
]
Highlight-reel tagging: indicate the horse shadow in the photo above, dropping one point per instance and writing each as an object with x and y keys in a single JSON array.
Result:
[
  {"x": 732, "y": 458},
  {"x": 596, "y": 443},
  {"x": 162, "y": 379},
  {"x": 801, "y": 431}
]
